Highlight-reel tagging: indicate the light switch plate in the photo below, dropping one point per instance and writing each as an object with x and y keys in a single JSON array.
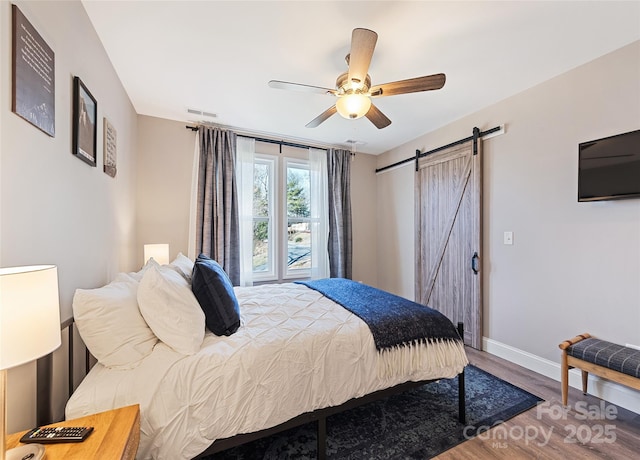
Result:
[{"x": 508, "y": 237}]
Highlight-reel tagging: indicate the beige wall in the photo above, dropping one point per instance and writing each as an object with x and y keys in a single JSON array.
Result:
[
  {"x": 363, "y": 214},
  {"x": 394, "y": 219},
  {"x": 165, "y": 158},
  {"x": 164, "y": 178},
  {"x": 573, "y": 267},
  {"x": 55, "y": 208}
]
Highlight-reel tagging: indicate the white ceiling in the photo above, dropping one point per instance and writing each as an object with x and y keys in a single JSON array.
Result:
[{"x": 218, "y": 57}]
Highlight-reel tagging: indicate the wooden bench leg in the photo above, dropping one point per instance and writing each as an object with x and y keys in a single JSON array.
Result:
[
  {"x": 564, "y": 378},
  {"x": 585, "y": 379}
]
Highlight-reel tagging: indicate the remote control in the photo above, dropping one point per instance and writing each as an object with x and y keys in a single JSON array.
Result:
[{"x": 57, "y": 434}]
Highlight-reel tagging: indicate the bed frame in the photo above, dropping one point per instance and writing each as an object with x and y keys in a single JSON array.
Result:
[
  {"x": 320, "y": 416},
  {"x": 44, "y": 406}
]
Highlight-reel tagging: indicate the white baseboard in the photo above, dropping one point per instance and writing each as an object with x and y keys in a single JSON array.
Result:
[{"x": 604, "y": 389}]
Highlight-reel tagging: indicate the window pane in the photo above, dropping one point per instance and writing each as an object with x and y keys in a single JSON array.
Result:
[
  {"x": 261, "y": 189},
  {"x": 298, "y": 245},
  {"x": 298, "y": 204},
  {"x": 261, "y": 256},
  {"x": 263, "y": 211}
]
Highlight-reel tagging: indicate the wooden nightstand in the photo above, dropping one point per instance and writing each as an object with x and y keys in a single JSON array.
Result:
[{"x": 115, "y": 436}]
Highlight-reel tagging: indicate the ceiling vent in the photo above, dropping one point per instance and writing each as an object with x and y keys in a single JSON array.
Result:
[
  {"x": 354, "y": 144},
  {"x": 202, "y": 113}
]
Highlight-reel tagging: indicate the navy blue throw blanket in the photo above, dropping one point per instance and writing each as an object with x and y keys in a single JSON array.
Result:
[{"x": 393, "y": 320}]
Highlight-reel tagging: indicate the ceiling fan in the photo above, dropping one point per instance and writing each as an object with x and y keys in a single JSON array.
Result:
[{"x": 353, "y": 88}]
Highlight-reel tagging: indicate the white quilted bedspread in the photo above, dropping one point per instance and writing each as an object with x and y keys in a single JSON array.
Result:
[{"x": 295, "y": 352}]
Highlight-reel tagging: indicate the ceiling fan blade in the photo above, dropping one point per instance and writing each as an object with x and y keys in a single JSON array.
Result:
[
  {"x": 322, "y": 117},
  {"x": 299, "y": 87},
  {"x": 363, "y": 42},
  {"x": 412, "y": 85},
  {"x": 378, "y": 118}
]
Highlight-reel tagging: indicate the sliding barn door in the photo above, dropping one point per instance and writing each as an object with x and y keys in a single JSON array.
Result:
[{"x": 448, "y": 236}]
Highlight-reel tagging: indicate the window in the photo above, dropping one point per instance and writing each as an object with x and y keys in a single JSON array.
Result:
[
  {"x": 264, "y": 264},
  {"x": 298, "y": 218},
  {"x": 283, "y": 218},
  {"x": 286, "y": 217}
]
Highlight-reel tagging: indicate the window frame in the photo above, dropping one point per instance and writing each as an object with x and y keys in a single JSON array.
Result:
[
  {"x": 273, "y": 242},
  {"x": 279, "y": 271},
  {"x": 287, "y": 273}
]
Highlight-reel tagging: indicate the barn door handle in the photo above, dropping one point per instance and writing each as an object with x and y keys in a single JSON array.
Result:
[{"x": 474, "y": 263}]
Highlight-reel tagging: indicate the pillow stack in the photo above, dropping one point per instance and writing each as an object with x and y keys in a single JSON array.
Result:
[{"x": 122, "y": 322}]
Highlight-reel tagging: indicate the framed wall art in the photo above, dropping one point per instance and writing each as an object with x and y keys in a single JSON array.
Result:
[
  {"x": 33, "y": 86},
  {"x": 85, "y": 115},
  {"x": 110, "y": 148}
]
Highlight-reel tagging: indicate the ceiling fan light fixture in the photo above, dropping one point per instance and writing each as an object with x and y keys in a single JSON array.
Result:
[
  {"x": 354, "y": 105},
  {"x": 353, "y": 88}
]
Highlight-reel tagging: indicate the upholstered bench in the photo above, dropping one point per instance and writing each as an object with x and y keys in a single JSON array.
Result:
[{"x": 604, "y": 359}]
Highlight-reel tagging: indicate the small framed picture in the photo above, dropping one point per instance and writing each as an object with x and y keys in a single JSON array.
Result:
[
  {"x": 109, "y": 148},
  {"x": 85, "y": 115}
]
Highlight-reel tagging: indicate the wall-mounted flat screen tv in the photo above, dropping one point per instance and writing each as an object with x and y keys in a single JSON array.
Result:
[{"x": 609, "y": 168}]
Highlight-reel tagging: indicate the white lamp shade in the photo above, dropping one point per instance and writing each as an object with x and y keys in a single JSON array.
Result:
[
  {"x": 159, "y": 252},
  {"x": 29, "y": 314},
  {"x": 353, "y": 105}
]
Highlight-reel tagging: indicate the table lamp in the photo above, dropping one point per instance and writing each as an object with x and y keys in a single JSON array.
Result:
[
  {"x": 159, "y": 253},
  {"x": 29, "y": 329}
]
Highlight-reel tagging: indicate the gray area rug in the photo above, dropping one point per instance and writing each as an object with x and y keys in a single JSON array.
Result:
[{"x": 418, "y": 424}]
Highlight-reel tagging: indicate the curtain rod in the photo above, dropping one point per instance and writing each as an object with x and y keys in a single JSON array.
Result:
[
  {"x": 438, "y": 149},
  {"x": 271, "y": 141},
  {"x": 288, "y": 144}
]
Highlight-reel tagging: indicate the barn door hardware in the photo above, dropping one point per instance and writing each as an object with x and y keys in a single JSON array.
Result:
[{"x": 474, "y": 263}]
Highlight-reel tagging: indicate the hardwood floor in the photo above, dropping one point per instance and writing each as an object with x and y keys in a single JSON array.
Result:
[{"x": 547, "y": 432}]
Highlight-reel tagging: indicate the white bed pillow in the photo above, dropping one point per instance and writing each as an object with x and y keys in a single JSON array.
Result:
[
  {"x": 171, "y": 310},
  {"x": 111, "y": 325},
  {"x": 140, "y": 273},
  {"x": 183, "y": 265}
]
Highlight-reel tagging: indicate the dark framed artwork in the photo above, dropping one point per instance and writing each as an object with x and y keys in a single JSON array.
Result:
[
  {"x": 33, "y": 86},
  {"x": 109, "y": 148},
  {"x": 85, "y": 115}
]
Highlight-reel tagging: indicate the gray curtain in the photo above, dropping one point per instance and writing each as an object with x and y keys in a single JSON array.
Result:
[
  {"x": 340, "y": 245},
  {"x": 217, "y": 227}
]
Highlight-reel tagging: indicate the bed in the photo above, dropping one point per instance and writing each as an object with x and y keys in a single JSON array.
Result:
[{"x": 297, "y": 356}]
